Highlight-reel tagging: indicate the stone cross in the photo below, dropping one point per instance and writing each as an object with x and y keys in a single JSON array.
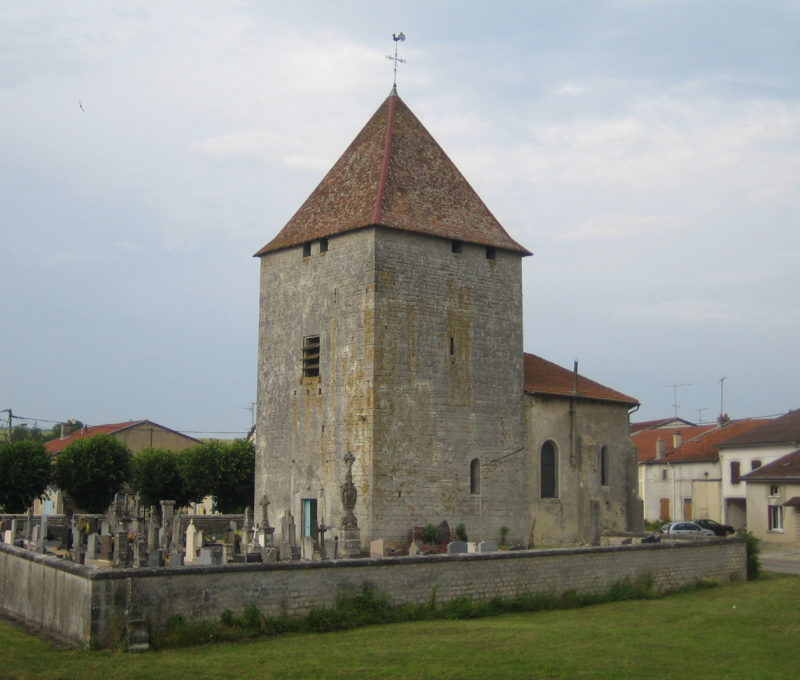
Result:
[{"x": 264, "y": 503}]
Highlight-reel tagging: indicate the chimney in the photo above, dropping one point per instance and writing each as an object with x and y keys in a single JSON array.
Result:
[
  {"x": 660, "y": 449},
  {"x": 677, "y": 440},
  {"x": 575, "y": 377}
]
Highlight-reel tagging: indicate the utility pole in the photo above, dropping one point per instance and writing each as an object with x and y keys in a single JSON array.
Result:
[{"x": 10, "y": 416}]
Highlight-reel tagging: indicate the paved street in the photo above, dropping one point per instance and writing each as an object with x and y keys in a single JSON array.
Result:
[{"x": 781, "y": 562}]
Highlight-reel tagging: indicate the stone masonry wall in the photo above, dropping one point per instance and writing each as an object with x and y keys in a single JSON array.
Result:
[
  {"x": 73, "y": 600},
  {"x": 306, "y": 425},
  {"x": 448, "y": 386},
  {"x": 47, "y": 592},
  {"x": 583, "y": 508}
]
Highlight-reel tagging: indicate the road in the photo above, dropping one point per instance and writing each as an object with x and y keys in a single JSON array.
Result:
[{"x": 780, "y": 563}]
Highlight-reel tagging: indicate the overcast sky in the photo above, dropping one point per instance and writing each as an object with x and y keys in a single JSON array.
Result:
[{"x": 647, "y": 152}]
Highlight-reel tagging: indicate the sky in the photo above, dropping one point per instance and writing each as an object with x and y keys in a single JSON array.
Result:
[{"x": 646, "y": 151}]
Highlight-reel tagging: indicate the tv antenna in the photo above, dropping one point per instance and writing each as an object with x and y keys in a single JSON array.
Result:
[
  {"x": 675, "y": 394},
  {"x": 397, "y": 37}
]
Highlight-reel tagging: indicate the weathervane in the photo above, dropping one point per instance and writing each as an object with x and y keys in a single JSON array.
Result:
[{"x": 397, "y": 37}]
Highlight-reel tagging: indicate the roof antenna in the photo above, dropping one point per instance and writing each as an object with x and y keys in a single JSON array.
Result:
[{"x": 397, "y": 37}]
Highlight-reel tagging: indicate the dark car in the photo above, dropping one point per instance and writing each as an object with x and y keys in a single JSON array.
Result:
[{"x": 716, "y": 527}]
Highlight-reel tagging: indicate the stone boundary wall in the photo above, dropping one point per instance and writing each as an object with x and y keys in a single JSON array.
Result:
[{"x": 85, "y": 604}]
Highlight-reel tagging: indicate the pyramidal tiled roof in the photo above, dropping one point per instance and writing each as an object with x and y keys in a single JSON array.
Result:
[
  {"x": 394, "y": 174},
  {"x": 545, "y": 377}
]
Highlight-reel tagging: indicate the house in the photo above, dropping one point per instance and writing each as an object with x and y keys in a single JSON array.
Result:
[
  {"x": 741, "y": 455},
  {"x": 773, "y": 501},
  {"x": 135, "y": 434},
  {"x": 393, "y": 389},
  {"x": 680, "y": 470}
]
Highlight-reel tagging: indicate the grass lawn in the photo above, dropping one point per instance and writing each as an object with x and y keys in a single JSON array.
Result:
[{"x": 746, "y": 630}]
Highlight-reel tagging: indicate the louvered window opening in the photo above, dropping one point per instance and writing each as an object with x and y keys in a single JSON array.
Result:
[{"x": 311, "y": 356}]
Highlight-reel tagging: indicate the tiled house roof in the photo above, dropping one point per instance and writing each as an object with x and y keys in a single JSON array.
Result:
[
  {"x": 59, "y": 444},
  {"x": 782, "y": 430},
  {"x": 394, "y": 174},
  {"x": 55, "y": 446},
  {"x": 699, "y": 443},
  {"x": 659, "y": 423},
  {"x": 786, "y": 467},
  {"x": 545, "y": 377}
]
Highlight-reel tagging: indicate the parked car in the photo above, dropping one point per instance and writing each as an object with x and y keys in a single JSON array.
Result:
[
  {"x": 665, "y": 527},
  {"x": 716, "y": 527},
  {"x": 688, "y": 530}
]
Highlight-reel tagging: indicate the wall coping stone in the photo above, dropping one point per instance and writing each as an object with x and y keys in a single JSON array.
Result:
[{"x": 96, "y": 574}]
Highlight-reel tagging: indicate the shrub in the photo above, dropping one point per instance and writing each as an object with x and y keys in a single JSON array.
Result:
[
  {"x": 753, "y": 551},
  {"x": 461, "y": 532},
  {"x": 429, "y": 534}
]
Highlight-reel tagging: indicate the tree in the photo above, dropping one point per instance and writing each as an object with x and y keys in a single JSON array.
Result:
[
  {"x": 25, "y": 473},
  {"x": 236, "y": 469},
  {"x": 92, "y": 470},
  {"x": 222, "y": 469},
  {"x": 156, "y": 476}
]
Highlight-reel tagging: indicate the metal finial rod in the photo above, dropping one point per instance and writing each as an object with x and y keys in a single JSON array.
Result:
[{"x": 397, "y": 37}]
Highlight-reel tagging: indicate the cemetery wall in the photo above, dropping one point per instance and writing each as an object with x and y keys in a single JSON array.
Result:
[
  {"x": 84, "y": 604},
  {"x": 47, "y": 592}
]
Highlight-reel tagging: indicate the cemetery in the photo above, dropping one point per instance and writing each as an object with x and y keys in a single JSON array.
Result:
[{"x": 104, "y": 580}]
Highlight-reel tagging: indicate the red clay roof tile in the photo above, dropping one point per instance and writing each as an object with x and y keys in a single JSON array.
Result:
[
  {"x": 545, "y": 377},
  {"x": 396, "y": 175}
]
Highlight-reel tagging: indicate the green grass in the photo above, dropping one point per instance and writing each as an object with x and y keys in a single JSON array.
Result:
[{"x": 746, "y": 630}]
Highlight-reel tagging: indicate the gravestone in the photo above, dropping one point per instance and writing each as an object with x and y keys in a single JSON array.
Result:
[
  {"x": 106, "y": 546},
  {"x": 92, "y": 544},
  {"x": 245, "y": 537},
  {"x": 35, "y": 535},
  {"x": 191, "y": 542},
  {"x": 14, "y": 528},
  {"x": 121, "y": 549},
  {"x": 288, "y": 541},
  {"x": 269, "y": 554},
  {"x": 167, "y": 513},
  {"x": 413, "y": 549},
  {"x": 487, "y": 546},
  {"x": 376, "y": 548},
  {"x": 210, "y": 556},
  {"x": 154, "y": 559},
  {"x": 42, "y": 543},
  {"x": 8, "y": 536},
  {"x": 177, "y": 534},
  {"x": 176, "y": 557},
  {"x": 308, "y": 548},
  {"x": 456, "y": 547},
  {"x": 152, "y": 531}
]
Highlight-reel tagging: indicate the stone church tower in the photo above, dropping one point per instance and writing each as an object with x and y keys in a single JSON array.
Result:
[{"x": 390, "y": 330}]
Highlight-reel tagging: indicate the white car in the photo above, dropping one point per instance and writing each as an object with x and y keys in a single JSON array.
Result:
[{"x": 689, "y": 530}]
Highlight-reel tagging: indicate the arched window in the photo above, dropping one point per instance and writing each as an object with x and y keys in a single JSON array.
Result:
[
  {"x": 603, "y": 466},
  {"x": 475, "y": 476},
  {"x": 549, "y": 470}
]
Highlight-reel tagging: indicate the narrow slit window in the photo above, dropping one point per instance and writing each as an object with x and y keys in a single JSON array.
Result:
[
  {"x": 491, "y": 253},
  {"x": 452, "y": 345},
  {"x": 311, "y": 356},
  {"x": 475, "y": 476},
  {"x": 604, "y": 466},
  {"x": 456, "y": 246},
  {"x": 307, "y": 249},
  {"x": 549, "y": 470},
  {"x": 323, "y": 245}
]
